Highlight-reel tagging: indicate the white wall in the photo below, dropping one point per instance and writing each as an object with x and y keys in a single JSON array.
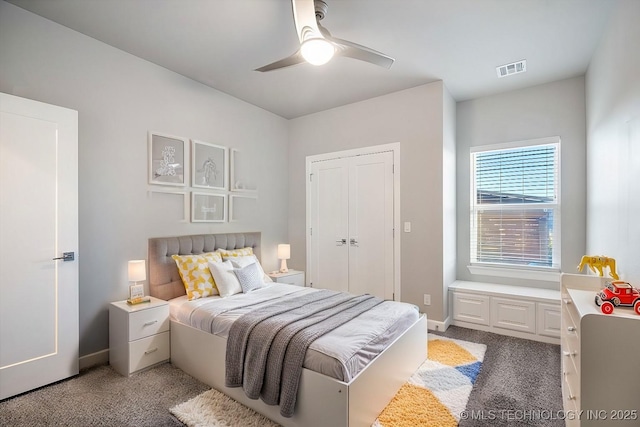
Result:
[
  {"x": 120, "y": 98},
  {"x": 553, "y": 109},
  {"x": 613, "y": 128},
  {"x": 449, "y": 172},
  {"x": 414, "y": 118}
]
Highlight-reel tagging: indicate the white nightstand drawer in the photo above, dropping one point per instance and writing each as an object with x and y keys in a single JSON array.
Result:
[
  {"x": 145, "y": 323},
  {"x": 149, "y": 351}
]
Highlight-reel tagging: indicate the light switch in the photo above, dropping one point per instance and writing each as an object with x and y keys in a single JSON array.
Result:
[{"x": 407, "y": 227}]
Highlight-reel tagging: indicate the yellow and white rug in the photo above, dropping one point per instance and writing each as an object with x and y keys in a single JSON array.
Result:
[
  {"x": 435, "y": 395},
  {"x": 438, "y": 391}
]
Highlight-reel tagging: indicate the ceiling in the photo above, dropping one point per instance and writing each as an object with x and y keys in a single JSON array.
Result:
[{"x": 220, "y": 42}]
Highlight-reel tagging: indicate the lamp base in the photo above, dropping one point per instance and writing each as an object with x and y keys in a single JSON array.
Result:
[{"x": 283, "y": 266}]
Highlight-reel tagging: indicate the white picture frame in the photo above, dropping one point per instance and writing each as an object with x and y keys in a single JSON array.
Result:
[
  {"x": 183, "y": 195},
  {"x": 242, "y": 179},
  {"x": 209, "y": 166},
  {"x": 167, "y": 155},
  {"x": 208, "y": 207},
  {"x": 242, "y": 207}
]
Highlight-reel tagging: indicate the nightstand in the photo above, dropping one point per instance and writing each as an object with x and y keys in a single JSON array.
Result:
[
  {"x": 138, "y": 335},
  {"x": 292, "y": 277}
]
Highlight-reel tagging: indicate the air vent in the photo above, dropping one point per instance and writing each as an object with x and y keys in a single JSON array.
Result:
[{"x": 513, "y": 68}]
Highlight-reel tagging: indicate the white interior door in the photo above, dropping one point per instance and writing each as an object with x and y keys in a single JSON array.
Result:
[
  {"x": 38, "y": 222},
  {"x": 329, "y": 233},
  {"x": 351, "y": 217},
  {"x": 371, "y": 225}
]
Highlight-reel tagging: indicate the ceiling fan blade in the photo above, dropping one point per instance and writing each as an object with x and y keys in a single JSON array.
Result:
[
  {"x": 294, "y": 59},
  {"x": 363, "y": 53},
  {"x": 304, "y": 16}
]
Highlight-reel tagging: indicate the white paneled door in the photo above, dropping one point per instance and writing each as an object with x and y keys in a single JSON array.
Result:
[
  {"x": 351, "y": 242},
  {"x": 38, "y": 222}
]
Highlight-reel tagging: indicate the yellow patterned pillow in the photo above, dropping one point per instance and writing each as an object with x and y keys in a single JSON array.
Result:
[
  {"x": 236, "y": 252},
  {"x": 195, "y": 274}
]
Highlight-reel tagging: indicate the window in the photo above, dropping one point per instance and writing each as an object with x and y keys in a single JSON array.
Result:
[{"x": 515, "y": 205}]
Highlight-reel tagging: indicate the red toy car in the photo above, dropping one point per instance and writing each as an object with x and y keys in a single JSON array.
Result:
[{"x": 616, "y": 294}]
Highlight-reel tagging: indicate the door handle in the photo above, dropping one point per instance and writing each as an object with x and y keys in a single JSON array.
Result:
[
  {"x": 341, "y": 242},
  {"x": 66, "y": 256},
  {"x": 353, "y": 242}
]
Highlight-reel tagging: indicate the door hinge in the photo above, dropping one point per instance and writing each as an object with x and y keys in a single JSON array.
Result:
[
  {"x": 310, "y": 177},
  {"x": 393, "y": 168},
  {"x": 311, "y": 231},
  {"x": 393, "y": 296}
]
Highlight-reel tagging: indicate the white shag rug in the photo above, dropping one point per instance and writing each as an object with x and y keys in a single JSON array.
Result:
[{"x": 214, "y": 409}]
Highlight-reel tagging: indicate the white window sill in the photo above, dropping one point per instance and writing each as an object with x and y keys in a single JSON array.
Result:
[{"x": 516, "y": 273}]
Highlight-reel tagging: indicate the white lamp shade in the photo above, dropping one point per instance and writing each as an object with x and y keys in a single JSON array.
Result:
[
  {"x": 284, "y": 251},
  {"x": 137, "y": 270}
]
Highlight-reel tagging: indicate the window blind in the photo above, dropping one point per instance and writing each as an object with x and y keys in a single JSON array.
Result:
[{"x": 515, "y": 215}]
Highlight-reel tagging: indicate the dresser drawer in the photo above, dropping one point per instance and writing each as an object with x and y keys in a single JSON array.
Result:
[
  {"x": 145, "y": 323},
  {"x": 149, "y": 351}
]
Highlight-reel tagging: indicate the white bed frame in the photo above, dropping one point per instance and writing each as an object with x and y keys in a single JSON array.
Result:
[{"x": 322, "y": 401}]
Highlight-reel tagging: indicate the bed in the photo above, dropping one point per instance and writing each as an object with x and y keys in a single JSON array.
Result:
[{"x": 322, "y": 400}]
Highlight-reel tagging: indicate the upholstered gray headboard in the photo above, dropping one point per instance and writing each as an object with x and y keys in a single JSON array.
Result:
[{"x": 164, "y": 280}]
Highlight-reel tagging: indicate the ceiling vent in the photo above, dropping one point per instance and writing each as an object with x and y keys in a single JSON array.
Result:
[{"x": 513, "y": 68}]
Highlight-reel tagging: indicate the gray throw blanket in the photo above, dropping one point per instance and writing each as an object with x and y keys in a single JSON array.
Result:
[{"x": 269, "y": 344}]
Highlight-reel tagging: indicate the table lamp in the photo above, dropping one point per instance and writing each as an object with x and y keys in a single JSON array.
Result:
[
  {"x": 137, "y": 273},
  {"x": 284, "y": 253}
]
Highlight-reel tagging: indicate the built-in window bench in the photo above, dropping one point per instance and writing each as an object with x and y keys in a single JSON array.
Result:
[{"x": 518, "y": 311}]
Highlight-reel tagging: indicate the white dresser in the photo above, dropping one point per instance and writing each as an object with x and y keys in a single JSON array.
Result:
[
  {"x": 600, "y": 358},
  {"x": 138, "y": 335}
]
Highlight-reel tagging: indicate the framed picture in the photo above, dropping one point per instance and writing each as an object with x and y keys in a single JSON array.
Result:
[
  {"x": 207, "y": 207},
  {"x": 242, "y": 174},
  {"x": 167, "y": 159},
  {"x": 243, "y": 207},
  {"x": 163, "y": 200},
  {"x": 209, "y": 166}
]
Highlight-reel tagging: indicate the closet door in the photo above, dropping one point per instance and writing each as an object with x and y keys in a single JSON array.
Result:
[
  {"x": 329, "y": 233},
  {"x": 351, "y": 243},
  {"x": 38, "y": 222},
  {"x": 371, "y": 225}
]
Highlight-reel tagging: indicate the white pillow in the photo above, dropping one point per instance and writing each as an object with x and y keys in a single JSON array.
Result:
[
  {"x": 225, "y": 278},
  {"x": 250, "y": 278},
  {"x": 243, "y": 261}
]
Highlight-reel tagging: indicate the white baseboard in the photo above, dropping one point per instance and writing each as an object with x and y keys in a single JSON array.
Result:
[
  {"x": 507, "y": 332},
  {"x": 435, "y": 325},
  {"x": 94, "y": 359}
]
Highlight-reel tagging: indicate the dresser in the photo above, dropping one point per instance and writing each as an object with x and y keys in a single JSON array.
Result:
[
  {"x": 138, "y": 335},
  {"x": 600, "y": 358}
]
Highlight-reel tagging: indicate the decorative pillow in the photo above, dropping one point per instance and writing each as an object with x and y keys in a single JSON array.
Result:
[
  {"x": 243, "y": 261},
  {"x": 250, "y": 277},
  {"x": 235, "y": 252},
  {"x": 226, "y": 280},
  {"x": 195, "y": 274}
]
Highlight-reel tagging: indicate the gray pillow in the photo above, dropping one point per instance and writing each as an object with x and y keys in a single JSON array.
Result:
[{"x": 250, "y": 277}]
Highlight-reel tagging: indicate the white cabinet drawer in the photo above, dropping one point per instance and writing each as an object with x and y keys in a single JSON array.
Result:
[
  {"x": 145, "y": 323},
  {"x": 514, "y": 314},
  {"x": 471, "y": 308},
  {"x": 549, "y": 320},
  {"x": 148, "y": 351}
]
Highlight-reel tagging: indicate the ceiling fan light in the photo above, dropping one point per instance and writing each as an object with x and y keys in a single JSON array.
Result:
[{"x": 317, "y": 51}]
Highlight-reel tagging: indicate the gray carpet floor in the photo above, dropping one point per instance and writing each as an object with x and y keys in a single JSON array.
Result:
[{"x": 517, "y": 376}]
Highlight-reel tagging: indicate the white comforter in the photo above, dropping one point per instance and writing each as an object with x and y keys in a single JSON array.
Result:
[{"x": 341, "y": 354}]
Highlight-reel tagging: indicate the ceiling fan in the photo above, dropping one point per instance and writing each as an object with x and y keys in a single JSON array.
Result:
[{"x": 317, "y": 45}]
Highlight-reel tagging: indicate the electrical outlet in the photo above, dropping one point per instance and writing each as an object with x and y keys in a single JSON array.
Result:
[{"x": 427, "y": 299}]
